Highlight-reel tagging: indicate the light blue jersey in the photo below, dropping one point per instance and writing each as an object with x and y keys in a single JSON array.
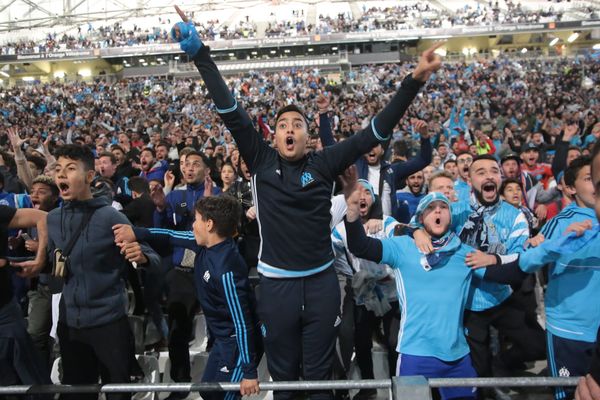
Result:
[
  {"x": 463, "y": 190},
  {"x": 432, "y": 302},
  {"x": 557, "y": 226},
  {"x": 504, "y": 230},
  {"x": 573, "y": 294}
]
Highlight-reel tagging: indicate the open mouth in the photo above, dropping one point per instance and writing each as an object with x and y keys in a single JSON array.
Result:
[
  {"x": 289, "y": 142},
  {"x": 489, "y": 188},
  {"x": 64, "y": 188},
  {"x": 362, "y": 205},
  {"x": 438, "y": 221}
]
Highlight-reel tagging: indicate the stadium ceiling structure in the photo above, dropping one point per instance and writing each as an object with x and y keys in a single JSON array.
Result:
[{"x": 31, "y": 14}]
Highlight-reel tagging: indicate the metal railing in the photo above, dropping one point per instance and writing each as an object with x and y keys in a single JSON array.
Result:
[{"x": 413, "y": 387}]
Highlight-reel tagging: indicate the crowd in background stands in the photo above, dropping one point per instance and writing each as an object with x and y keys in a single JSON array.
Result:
[
  {"x": 497, "y": 97},
  {"x": 411, "y": 16},
  {"x": 494, "y": 107}
]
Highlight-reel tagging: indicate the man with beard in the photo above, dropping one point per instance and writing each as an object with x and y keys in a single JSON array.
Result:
[
  {"x": 176, "y": 212},
  {"x": 151, "y": 167},
  {"x": 462, "y": 185},
  {"x": 493, "y": 226},
  {"x": 409, "y": 197}
]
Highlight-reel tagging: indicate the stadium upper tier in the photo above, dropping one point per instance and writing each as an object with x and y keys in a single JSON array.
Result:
[{"x": 263, "y": 19}]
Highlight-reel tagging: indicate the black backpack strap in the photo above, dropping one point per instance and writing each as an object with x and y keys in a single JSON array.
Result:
[{"x": 86, "y": 219}]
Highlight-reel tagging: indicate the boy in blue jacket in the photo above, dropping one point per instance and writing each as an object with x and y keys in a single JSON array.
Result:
[{"x": 222, "y": 288}]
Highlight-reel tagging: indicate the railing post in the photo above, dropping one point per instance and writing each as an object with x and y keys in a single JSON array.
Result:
[{"x": 410, "y": 388}]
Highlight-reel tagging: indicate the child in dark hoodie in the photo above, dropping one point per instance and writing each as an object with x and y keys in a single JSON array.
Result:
[{"x": 94, "y": 333}]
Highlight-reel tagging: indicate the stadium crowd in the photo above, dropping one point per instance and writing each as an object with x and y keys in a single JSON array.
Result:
[
  {"x": 171, "y": 186},
  {"x": 373, "y": 18}
]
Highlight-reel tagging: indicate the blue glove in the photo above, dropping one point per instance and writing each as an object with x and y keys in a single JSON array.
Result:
[{"x": 189, "y": 40}]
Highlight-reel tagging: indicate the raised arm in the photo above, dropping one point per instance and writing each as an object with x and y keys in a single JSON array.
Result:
[
  {"x": 23, "y": 171},
  {"x": 325, "y": 132},
  {"x": 342, "y": 155},
  {"x": 403, "y": 170},
  {"x": 236, "y": 119}
]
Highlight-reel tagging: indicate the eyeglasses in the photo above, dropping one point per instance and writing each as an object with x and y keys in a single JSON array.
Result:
[{"x": 464, "y": 160}]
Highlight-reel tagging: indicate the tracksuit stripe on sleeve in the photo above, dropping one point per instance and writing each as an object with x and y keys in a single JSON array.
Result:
[
  {"x": 175, "y": 234},
  {"x": 551, "y": 226},
  {"x": 238, "y": 319},
  {"x": 244, "y": 349}
]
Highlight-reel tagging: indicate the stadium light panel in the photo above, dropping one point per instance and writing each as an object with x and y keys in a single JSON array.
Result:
[
  {"x": 596, "y": 46},
  {"x": 524, "y": 50},
  {"x": 4, "y": 74},
  {"x": 310, "y": 49},
  {"x": 59, "y": 74},
  {"x": 334, "y": 48},
  {"x": 176, "y": 58},
  {"x": 554, "y": 41},
  {"x": 28, "y": 78},
  {"x": 573, "y": 37},
  {"x": 441, "y": 51},
  {"x": 142, "y": 60},
  {"x": 254, "y": 53},
  {"x": 85, "y": 72},
  {"x": 273, "y": 52}
]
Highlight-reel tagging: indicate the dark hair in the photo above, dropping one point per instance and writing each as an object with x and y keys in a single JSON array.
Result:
[
  {"x": 108, "y": 154},
  {"x": 595, "y": 153},
  {"x": 46, "y": 180},
  {"x": 163, "y": 144},
  {"x": 574, "y": 148},
  {"x": 485, "y": 157},
  {"x": 9, "y": 160},
  {"x": 139, "y": 185},
  {"x": 450, "y": 161},
  {"x": 198, "y": 154},
  {"x": 223, "y": 210},
  {"x": 77, "y": 153},
  {"x": 117, "y": 147},
  {"x": 150, "y": 149},
  {"x": 507, "y": 182},
  {"x": 39, "y": 162},
  {"x": 573, "y": 169},
  {"x": 291, "y": 108}
]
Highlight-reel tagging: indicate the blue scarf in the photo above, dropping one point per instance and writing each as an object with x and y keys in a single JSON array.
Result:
[{"x": 443, "y": 248}]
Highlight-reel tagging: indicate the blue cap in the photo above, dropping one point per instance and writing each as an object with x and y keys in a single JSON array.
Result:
[
  {"x": 426, "y": 201},
  {"x": 367, "y": 185}
]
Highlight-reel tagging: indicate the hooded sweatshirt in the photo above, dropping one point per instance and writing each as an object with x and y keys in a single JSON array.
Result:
[{"x": 94, "y": 290}]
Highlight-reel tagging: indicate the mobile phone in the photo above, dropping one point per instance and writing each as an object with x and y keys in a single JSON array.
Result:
[{"x": 26, "y": 237}]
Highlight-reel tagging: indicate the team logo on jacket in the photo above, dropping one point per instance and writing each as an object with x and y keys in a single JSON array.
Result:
[
  {"x": 306, "y": 178},
  {"x": 564, "y": 372},
  {"x": 206, "y": 276}
]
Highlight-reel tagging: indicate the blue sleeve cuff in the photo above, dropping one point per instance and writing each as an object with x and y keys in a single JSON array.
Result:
[
  {"x": 227, "y": 110},
  {"x": 377, "y": 135}
]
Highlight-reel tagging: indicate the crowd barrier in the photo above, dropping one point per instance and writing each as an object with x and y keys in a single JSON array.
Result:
[{"x": 410, "y": 387}]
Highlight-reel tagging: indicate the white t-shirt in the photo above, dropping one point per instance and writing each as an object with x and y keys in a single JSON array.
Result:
[{"x": 386, "y": 202}]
